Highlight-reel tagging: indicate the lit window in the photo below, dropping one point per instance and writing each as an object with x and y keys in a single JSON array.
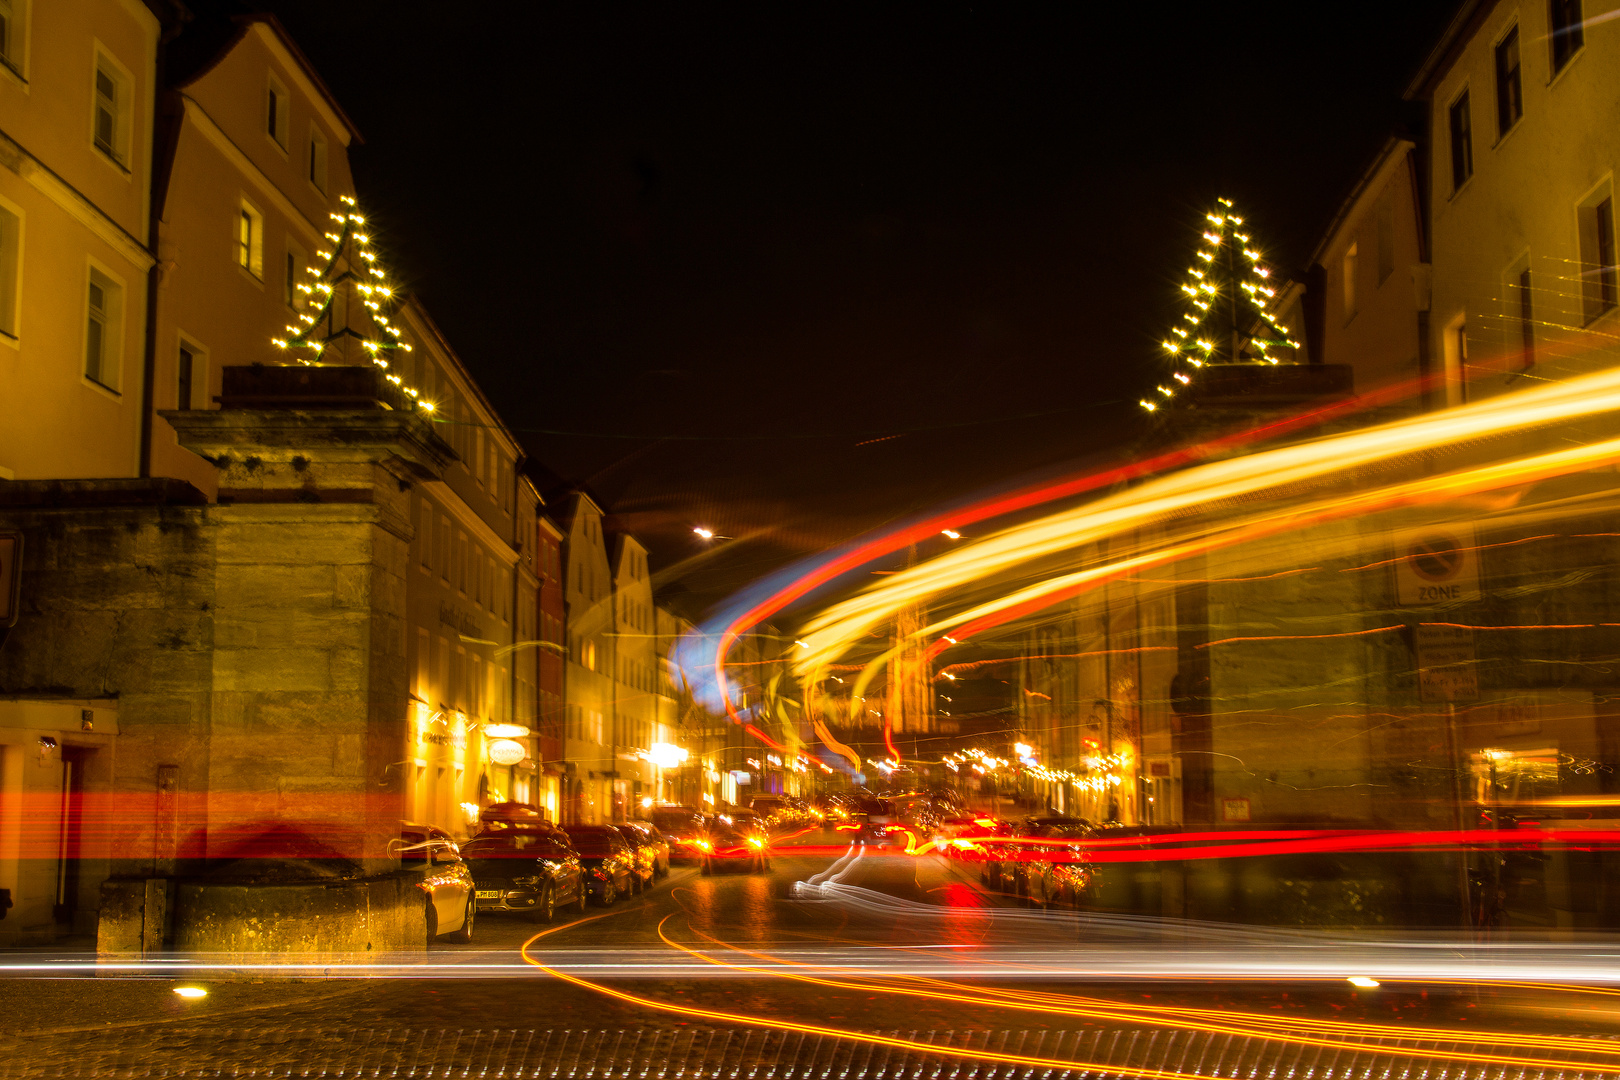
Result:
[
  {"x": 102, "y": 335},
  {"x": 1509, "y": 88},
  {"x": 250, "y": 240},
  {"x": 1564, "y": 22},
  {"x": 1462, "y": 143},
  {"x": 109, "y": 129}
]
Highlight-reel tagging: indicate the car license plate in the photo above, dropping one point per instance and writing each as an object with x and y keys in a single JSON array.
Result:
[{"x": 489, "y": 894}]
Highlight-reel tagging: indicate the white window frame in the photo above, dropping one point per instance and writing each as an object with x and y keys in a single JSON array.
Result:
[
  {"x": 320, "y": 159},
  {"x": 199, "y": 370},
  {"x": 250, "y": 249},
  {"x": 112, "y": 337},
  {"x": 11, "y": 266},
  {"x": 277, "y": 128},
  {"x": 104, "y": 62}
]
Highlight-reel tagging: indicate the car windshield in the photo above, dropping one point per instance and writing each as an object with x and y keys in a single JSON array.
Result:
[
  {"x": 677, "y": 822},
  {"x": 514, "y": 845}
]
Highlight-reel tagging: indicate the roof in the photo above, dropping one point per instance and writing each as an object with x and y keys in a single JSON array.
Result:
[
  {"x": 1395, "y": 146},
  {"x": 1469, "y": 14},
  {"x": 212, "y": 39}
]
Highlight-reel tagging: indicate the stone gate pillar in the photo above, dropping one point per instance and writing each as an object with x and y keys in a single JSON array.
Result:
[{"x": 308, "y": 742}]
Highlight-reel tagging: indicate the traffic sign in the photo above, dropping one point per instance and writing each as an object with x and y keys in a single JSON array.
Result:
[{"x": 1437, "y": 564}]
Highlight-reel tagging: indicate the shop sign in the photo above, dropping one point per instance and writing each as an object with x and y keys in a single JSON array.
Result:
[
  {"x": 10, "y": 577},
  {"x": 1436, "y": 565},
  {"x": 741, "y": 776},
  {"x": 507, "y": 752},
  {"x": 456, "y": 619}
]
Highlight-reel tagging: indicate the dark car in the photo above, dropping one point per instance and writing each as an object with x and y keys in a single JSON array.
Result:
[
  {"x": 525, "y": 869},
  {"x": 727, "y": 845},
  {"x": 684, "y": 828},
  {"x": 1023, "y": 865},
  {"x": 649, "y": 845},
  {"x": 608, "y": 862},
  {"x": 433, "y": 863}
]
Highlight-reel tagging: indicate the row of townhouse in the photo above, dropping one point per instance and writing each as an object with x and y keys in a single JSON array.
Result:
[
  {"x": 265, "y": 610},
  {"x": 1472, "y": 260}
]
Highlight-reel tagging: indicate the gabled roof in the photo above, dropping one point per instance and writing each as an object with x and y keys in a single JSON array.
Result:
[
  {"x": 205, "y": 42},
  {"x": 1469, "y": 14},
  {"x": 1396, "y": 146}
]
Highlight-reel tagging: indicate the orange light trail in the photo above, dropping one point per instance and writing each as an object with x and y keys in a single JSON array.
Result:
[{"x": 1283, "y": 1029}]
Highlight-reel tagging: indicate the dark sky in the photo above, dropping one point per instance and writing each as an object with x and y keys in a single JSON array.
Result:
[{"x": 701, "y": 255}]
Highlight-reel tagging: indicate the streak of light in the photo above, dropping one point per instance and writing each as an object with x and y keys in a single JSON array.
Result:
[
  {"x": 1284, "y": 1029},
  {"x": 703, "y": 651},
  {"x": 1227, "y": 482}
]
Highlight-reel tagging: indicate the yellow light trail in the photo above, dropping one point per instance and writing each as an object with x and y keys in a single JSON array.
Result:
[
  {"x": 1208, "y": 1021},
  {"x": 1206, "y": 486}
]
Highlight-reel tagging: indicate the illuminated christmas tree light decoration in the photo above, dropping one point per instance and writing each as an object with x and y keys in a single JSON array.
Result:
[
  {"x": 1231, "y": 321},
  {"x": 349, "y": 289}
]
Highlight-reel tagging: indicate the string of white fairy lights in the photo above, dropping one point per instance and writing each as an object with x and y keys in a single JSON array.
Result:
[
  {"x": 1190, "y": 346},
  {"x": 369, "y": 281}
]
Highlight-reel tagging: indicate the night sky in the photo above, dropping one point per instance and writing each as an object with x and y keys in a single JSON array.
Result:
[{"x": 790, "y": 271}]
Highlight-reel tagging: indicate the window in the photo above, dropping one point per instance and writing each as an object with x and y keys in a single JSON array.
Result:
[
  {"x": 188, "y": 371},
  {"x": 590, "y": 655},
  {"x": 424, "y": 537},
  {"x": 1564, "y": 22},
  {"x": 1462, "y": 143},
  {"x": 10, "y": 269},
  {"x": 444, "y": 550},
  {"x": 1386, "y": 238},
  {"x": 1527, "y": 326},
  {"x": 11, "y": 33},
  {"x": 110, "y": 111},
  {"x": 1509, "y": 89},
  {"x": 103, "y": 337},
  {"x": 317, "y": 159},
  {"x": 1597, "y": 257},
  {"x": 276, "y": 112},
  {"x": 292, "y": 271},
  {"x": 1351, "y": 259},
  {"x": 250, "y": 240}
]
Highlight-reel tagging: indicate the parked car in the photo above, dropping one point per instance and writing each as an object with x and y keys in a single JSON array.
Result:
[
  {"x": 684, "y": 828},
  {"x": 1056, "y": 870},
  {"x": 1026, "y": 867},
  {"x": 750, "y": 823},
  {"x": 433, "y": 862},
  {"x": 608, "y": 862},
  {"x": 778, "y": 811},
  {"x": 525, "y": 870},
  {"x": 727, "y": 845},
  {"x": 646, "y": 862},
  {"x": 504, "y": 815},
  {"x": 648, "y": 843}
]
